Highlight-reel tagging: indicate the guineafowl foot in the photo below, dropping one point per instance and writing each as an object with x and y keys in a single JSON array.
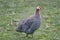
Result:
[
  {"x": 29, "y": 36},
  {"x": 32, "y": 35}
]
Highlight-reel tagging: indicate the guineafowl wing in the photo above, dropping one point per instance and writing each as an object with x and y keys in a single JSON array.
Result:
[{"x": 33, "y": 27}]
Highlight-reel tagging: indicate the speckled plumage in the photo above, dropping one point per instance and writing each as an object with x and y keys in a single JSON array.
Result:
[{"x": 30, "y": 24}]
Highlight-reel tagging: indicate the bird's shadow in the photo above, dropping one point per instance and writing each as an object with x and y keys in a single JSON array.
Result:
[
  {"x": 22, "y": 36},
  {"x": 25, "y": 38}
]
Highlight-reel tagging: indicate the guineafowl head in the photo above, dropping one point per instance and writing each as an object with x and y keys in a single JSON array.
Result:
[{"x": 38, "y": 8}]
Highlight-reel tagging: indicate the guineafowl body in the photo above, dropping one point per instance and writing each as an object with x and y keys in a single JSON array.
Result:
[{"x": 30, "y": 24}]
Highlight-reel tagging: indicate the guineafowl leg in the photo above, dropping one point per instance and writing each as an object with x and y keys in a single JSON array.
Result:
[
  {"x": 26, "y": 35},
  {"x": 32, "y": 35}
]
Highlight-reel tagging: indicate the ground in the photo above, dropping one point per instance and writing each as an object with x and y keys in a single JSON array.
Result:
[{"x": 11, "y": 10}]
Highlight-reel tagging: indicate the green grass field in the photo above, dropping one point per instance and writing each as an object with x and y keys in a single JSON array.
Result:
[{"x": 20, "y": 9}]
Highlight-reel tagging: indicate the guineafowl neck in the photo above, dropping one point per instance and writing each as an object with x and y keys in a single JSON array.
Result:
[{"x": 37, "y": 13}]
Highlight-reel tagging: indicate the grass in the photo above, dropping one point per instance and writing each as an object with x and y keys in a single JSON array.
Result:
[{"x": 20, "y": 9}]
